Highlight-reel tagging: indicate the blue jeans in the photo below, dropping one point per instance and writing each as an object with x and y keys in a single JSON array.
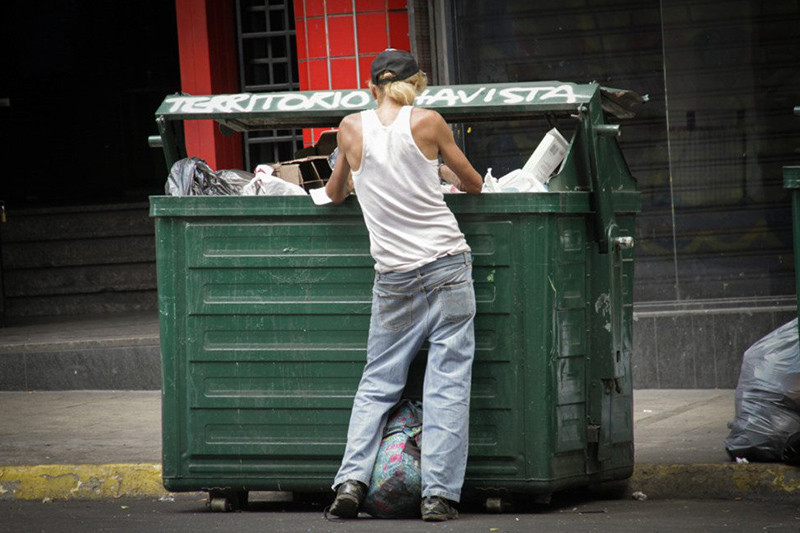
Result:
[{"x": 435, "y": 303}]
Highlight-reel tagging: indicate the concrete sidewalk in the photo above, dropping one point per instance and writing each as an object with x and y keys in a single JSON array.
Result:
[{"x": 97, "y": 444}]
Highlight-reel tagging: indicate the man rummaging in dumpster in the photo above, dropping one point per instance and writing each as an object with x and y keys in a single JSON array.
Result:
[{"x": 423, "y": 284}]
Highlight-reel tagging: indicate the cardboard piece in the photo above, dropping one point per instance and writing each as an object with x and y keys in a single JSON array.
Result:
[
  {"x": 309, "y": 168},
  {"x": 308, "y": 172},
  {"x": 326, "y": 144}
]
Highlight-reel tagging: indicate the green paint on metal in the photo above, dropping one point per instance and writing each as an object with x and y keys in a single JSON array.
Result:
[
  {"x": 263, "y": 349},
  {"x": 265, "y": 309},
  {"x": 791, "y": 181},
  {"x": 496, "y": 99},
  {"x": 791, "y": 177}
]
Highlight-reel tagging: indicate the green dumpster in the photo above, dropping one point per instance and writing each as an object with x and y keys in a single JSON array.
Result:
[
  {"x": 264, "y": 309},
  {"x": 791, "y": 181}
]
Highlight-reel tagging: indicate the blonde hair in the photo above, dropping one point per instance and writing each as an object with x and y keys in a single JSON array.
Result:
[{"x": 403, "y": 92}]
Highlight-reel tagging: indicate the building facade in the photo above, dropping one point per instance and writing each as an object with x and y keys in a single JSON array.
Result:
[{"x": 714, "y": 258}]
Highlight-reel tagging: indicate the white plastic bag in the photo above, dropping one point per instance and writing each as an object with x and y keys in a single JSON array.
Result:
[
  {"x": 265, "y": 184},
  {"x": 490, "y": 182},
  {"x": 515, "y": 181},
  {"x": 520, "y": 181}
]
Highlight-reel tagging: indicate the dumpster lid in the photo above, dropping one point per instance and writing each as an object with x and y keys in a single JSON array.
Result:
[
  {"x": 248, "y": 111},
  {"x": 621, "y": 102}
]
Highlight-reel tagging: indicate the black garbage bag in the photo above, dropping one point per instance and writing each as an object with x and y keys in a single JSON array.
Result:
[
  {"x": 193, "y": 177},
  {"x": 767, "y": 423},
  {"x": 235, "y": 179}
]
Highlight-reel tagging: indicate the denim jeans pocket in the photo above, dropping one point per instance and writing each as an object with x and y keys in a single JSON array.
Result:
[
  {"x": 395, "y": 310},
  {"x": 457, "y": 301}
]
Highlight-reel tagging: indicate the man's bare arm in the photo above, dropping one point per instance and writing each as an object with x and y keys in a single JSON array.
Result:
[
  {"x": 337, "y": 188},
  {"x": 455, "y": 159}
]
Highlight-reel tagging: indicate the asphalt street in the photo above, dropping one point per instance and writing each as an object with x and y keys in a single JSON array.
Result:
[{"x": 584, "y": 515}]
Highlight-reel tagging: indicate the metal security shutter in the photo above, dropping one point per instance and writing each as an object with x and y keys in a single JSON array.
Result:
[
  {"x": 707, "y": 149},
  {"x": 268, "y": 63}
]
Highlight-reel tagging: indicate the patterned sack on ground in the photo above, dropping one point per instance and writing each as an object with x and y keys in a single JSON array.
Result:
[{"x": 395, "y": 490}]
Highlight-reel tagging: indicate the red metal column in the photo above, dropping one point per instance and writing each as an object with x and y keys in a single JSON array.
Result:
[
  {"x": 207, "y": 49},
  {"x": 338, "y": 39}
]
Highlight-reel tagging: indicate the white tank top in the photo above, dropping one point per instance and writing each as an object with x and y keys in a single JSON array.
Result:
[{"x": 398, "y": 189}]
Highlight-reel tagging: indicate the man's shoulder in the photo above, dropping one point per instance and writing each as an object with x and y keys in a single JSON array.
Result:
[
  {"x": 426, "y": 120},
  {"x": 426, "y": 115},
  {"x": 351, "y": 122},
  {"x": 349, "y": 130}
]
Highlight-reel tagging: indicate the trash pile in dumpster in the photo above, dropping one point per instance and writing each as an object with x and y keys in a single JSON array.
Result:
[
  {"x": 767, "y": 423},
  {"x": 193, "y": 177},
  {"x": 310, "y": 169},
  {"x": 313, "y": 165}
]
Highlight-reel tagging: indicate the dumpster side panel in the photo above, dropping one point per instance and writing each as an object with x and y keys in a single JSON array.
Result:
[
  {"x": 791, "y": 182},
  {"x": 796, "y": 233},
  {"x": 609, "y": 384},
  {"x": 277, "y": 319},
  {"x": 276, "y": 313},
  {"x": 622, "y": 421},
  {"x": 170, "y": 266},
  {"x": 569, "y": 346},
  {"x": 495, "y": 414},
  {"x": 264, "y": 328}
]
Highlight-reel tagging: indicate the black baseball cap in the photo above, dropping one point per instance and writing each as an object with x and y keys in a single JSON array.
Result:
[{"x": 400, "y": 62}]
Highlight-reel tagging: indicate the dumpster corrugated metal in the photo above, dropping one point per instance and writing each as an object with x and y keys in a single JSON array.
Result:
[
  {"x": 264, "y": 310},
  {"x": 791, "y": 181}
]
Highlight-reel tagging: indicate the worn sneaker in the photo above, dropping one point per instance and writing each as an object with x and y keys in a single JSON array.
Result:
[
  {"x": 437, "y": 509},
  {"x": 348, "y": 499}
]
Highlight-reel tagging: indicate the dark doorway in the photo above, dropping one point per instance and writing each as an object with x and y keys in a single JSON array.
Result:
[{"x": 80, "y": 83}]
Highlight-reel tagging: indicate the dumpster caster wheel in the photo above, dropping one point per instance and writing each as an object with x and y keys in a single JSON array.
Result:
[
  {"x": 223, "y": 502},
  {"x": 219, "y": 504},
  {"x": 494, "y": 504}
]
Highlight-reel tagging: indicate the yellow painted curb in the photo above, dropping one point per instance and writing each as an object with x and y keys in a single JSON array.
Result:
[
  {"x": 143, "y": 480},
  {"x": 81, "y": 482},
  {"x": 725, "y": 480}
]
